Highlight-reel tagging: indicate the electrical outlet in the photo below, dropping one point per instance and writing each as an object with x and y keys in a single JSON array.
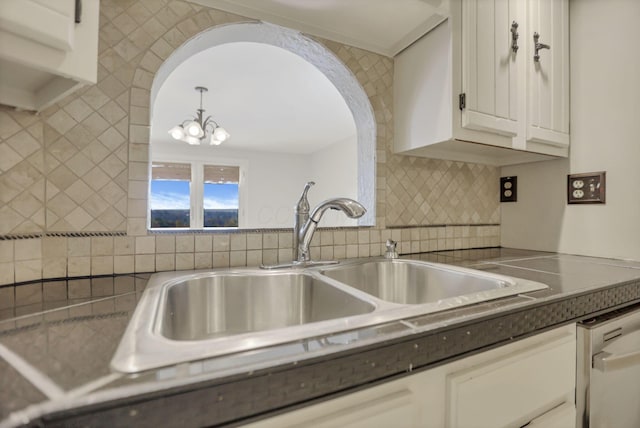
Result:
[
  {"x": 586, "y": 188},
  {"x": 509, "y": 189}
]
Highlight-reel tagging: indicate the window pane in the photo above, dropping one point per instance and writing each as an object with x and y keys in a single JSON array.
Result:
[
  {"x": 221, "y": 196},
  {"x": 170, "y": 195}
]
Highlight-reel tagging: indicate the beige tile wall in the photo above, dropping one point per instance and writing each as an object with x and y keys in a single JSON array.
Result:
[
  {"x": 22, "y": 183},
  {"x": 82, "y": 166},
  {"x": 55, "y": 257},
  {"x": 429, "y": 191}
]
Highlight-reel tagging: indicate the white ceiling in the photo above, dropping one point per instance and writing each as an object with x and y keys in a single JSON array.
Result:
[
  {"x": 382, "y": 26},
  {"x": 267, "y": 98}
]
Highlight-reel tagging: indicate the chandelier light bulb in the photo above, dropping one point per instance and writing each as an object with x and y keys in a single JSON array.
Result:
[
  {"x": 193, "y": 129},
  {"x": 194, "y": 141},
  {"x": 220, "y": 134},
  {"x": 177, "y": 132}
]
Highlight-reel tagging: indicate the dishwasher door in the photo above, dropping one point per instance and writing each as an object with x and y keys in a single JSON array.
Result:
[{"x": 608, "y": 371}]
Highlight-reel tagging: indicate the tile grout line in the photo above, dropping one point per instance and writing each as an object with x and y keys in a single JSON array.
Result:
[
  {"x": 92, "y": 386},
  {"x": 48, "y": 311},
  {"x": 33, "y": 375},
  {"x": 524, "y": 268},
  {"x": 520, "y": 259}
]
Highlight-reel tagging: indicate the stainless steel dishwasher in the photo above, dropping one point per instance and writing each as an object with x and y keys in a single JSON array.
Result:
[{"x": 608, "y": 370}]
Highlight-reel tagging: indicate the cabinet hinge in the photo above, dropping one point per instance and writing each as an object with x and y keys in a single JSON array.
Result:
[{"x": 462, "y": 101}]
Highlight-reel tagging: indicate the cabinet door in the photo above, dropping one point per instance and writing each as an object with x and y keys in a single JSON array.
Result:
[
  {"x": 514, "y": 389},
  {"x": 378, "y": 407},
  {"x": 563, "y": 416},
  {"x": 548, "y": 78},
  {"x": 490, "y": 66}
]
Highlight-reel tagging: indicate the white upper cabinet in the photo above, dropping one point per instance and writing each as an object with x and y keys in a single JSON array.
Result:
[
  {"x": 548, "y": 78},
  {"x": 473, "y": 79},
  {"x": 44, "y": 53},
  {"x": 490, "y": 67}
]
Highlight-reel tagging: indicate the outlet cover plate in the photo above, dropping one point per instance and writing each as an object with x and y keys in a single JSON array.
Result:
[
  {"x": 509, "y": 189},
  {"x": 586, "y": 188}
]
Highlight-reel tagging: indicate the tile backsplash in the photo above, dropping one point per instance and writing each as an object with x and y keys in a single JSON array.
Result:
[
  {"x": 59, "y": 257},
  {"x": 81, "y": 166}
]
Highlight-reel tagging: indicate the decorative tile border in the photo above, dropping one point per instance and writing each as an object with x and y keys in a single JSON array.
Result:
[{"x": 60, "y": 235}]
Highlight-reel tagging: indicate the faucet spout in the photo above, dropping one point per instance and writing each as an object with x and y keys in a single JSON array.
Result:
[{"x": 351, "y": 208}]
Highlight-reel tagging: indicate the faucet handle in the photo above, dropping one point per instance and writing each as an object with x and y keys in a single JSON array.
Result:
[
  {"x": 303, "y": 203},
  {"x": 391, "y": 252},
  {"x": 307, "y": 186}
]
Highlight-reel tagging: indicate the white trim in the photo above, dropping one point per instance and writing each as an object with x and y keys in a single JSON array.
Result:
[
  {"x": 39, "y": 23},
  {"x": 485, "y": 122},
  {"x": 196, "y": 195}
]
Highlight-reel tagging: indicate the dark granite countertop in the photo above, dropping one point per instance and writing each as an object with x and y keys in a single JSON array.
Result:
[{"x": 57, "y": 339}]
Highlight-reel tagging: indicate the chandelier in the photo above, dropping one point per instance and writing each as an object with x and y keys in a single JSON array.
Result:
[{"x": 199, "y": 130}]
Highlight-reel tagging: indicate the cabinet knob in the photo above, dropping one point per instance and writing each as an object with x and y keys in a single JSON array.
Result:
[
  {"x": 538, "y": 46},
  {"x": 514, "y": 37}
]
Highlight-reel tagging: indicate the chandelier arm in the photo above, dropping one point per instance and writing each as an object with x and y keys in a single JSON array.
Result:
[
  {"x": 199, "y": 118},
  {"x": 210, "y": 122}
]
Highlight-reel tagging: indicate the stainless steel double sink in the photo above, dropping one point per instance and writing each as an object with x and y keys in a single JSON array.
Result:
[{"x": 186, "y": 316}]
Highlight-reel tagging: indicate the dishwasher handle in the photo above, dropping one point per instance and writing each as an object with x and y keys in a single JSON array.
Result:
[{"x": 606, "y": 362}]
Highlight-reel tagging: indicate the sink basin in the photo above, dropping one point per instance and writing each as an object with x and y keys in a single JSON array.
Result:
[
  {"x": 186, "y": 316},
  {"x": 415, "y": 282},
  {"x": 224, "y": 305}
]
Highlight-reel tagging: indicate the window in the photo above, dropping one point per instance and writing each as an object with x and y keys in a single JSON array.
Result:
[
  {"x": 170, "y": 200},
  {"x": 221, "y": 196},
  {"x": 194, "y": 195}
]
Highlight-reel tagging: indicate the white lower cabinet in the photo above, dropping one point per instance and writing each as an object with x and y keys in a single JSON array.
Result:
[
  {"x": 383, "y": 406},
  {"x": 530, "y": 382},
  {"x": 513, "y": 389},
  {"x": 561, "y": 417}
]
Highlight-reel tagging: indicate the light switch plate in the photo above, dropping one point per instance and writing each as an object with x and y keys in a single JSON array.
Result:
[
  {"x": 586, "y": 188},
  {"x": 509, "y": 189}
]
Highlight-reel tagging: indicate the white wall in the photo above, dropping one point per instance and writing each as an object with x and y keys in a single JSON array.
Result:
[
  {"x": 605, "y": 136},
  {"x": 273, "y": 182},
  {"x": 335, "y": 172}
]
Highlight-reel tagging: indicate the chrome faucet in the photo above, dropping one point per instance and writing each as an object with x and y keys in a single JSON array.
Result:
[
  {"x": 304, "y": 225},
  {"x": 350, "y": 207}
]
